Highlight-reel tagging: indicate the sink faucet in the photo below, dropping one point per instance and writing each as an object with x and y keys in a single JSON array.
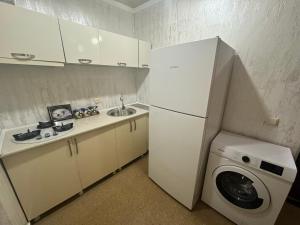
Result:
[{"x": 122, "y": 100}]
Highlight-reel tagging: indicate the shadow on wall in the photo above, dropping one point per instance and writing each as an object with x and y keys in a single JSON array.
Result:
[
  {"x": 245, "y": 111},
  {"x": 142, "y": 86}
]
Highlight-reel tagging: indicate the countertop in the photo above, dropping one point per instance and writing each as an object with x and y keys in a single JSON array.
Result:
[{"x": 8, "y": 147}]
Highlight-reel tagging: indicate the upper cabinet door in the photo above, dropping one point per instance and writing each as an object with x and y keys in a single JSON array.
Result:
[
  {"x": 81, "y": 43},
  {"x": 29, "y": 36},
  {"x": 118, "y": 50},
  {"x": 144, "y": 54}
]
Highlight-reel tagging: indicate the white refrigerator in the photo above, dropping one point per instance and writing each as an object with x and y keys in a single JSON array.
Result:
[{"x": 188, "y": 88}]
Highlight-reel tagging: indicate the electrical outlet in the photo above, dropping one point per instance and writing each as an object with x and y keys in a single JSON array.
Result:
[{"x": 97, "y": 100}]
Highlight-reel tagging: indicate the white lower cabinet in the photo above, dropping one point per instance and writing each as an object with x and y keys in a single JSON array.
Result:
[
  {"x": 140, "y": 136},
  {"x": 45, "y": 176},
  {"x": 131, "y": 137},
  {"x": 96, "y": 155}
]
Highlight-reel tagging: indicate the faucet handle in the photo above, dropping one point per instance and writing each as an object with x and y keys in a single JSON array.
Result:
[{"x": 122, "y": 100}]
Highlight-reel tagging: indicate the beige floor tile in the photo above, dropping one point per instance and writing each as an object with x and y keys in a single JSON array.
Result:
[{"x": 131, "y": 198}]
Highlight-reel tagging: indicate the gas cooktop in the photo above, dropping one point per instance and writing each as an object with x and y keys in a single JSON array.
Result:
[{"x": 44, "y": 131}]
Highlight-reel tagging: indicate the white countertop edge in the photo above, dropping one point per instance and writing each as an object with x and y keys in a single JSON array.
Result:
[
  {"x": 101, "y": 111},
  {"x": 72, "y": 134},
  {"x": 141, "y": 103}
]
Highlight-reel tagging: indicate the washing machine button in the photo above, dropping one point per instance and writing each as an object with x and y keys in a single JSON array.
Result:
[{"x": 246, "y": 159}]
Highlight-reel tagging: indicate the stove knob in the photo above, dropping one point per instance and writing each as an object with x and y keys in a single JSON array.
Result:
[
  {"x": 246, "y": 159},
  {"x": 47, "y": 135},
  {"x": 39, "y": 137}
]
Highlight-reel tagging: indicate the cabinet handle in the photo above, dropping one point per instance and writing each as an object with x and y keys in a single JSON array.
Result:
[
  {"x": 76, "y": 145},
  {"x": 122, "y": 64},
  {"x": 22, "y": 56},
  {"x": 70, "y": 148},
  {"x": 134, "y": 125},
  {"x": 145, "y": 65},
  {"x": 85, "y": 61},
  {"x": 130, "y": 126}
]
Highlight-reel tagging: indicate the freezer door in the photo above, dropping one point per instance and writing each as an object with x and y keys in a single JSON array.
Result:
[
  {"x": 174, "y": 150},
  {"x": 180, "y": 76}
]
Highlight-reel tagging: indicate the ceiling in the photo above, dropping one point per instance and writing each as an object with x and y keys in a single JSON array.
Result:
[{"x": 132, "y": 3}]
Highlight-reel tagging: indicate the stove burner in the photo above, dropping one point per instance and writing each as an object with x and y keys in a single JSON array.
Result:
[
  {"x": 27, "y": 136},
  {"x": 63, "y": 127},
  {"x": 43, "y": 125}
]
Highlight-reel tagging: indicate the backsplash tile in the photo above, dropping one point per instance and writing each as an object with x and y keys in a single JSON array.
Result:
[{"x": 26, "y": 91}]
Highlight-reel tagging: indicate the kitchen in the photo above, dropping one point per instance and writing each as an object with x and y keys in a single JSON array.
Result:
[{"x": 261, "y": 102}]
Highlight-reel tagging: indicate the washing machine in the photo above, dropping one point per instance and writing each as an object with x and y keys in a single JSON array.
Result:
[{"x": 248, "y": 180}]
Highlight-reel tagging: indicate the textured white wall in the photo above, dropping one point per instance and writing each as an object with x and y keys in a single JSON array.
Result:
[
  {"x": 266, "y": 75},
  {"x": 94, "y": 13}
]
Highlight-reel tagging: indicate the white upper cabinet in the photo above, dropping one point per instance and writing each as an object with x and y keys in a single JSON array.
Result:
[
  {"x": 144, "y": 54},
  {"x": 27, "y": 36},
  {"x": 118, "y": 50},
  {"x": 81, "y": 43}
]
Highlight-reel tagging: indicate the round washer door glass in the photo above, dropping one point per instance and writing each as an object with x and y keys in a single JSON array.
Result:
[
  {"x": 242, "y": 188},
  {"x": 238, "y": 189}
]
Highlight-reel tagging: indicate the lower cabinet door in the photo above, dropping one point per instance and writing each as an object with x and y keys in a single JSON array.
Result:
[
  {"x": 96, "y": 155},
  {"x": 140, "y": 136},
  {"x": 132, "y": 139},
  {"x": 125, "y": 150},
  {"x": 43, "y": 177}
]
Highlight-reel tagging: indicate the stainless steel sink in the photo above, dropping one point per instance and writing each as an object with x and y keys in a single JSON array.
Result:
[{"x": 121, "y": 112}]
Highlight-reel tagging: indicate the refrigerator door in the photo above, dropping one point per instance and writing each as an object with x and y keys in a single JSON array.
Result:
[
  {"x": 181, "y": 75},
  {"x": 174, "y": 150}
]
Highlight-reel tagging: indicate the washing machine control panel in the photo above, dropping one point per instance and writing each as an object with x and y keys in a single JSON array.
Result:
[
  {"x": 240, "y": 157},
  {"x": 251, "y": 161}
]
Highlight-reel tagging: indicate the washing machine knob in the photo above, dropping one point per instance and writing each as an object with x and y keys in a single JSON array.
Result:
[{"x": 246, "y": 159}]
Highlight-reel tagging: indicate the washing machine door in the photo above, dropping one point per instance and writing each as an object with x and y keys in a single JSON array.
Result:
[{"x": 241, "y": 188}]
